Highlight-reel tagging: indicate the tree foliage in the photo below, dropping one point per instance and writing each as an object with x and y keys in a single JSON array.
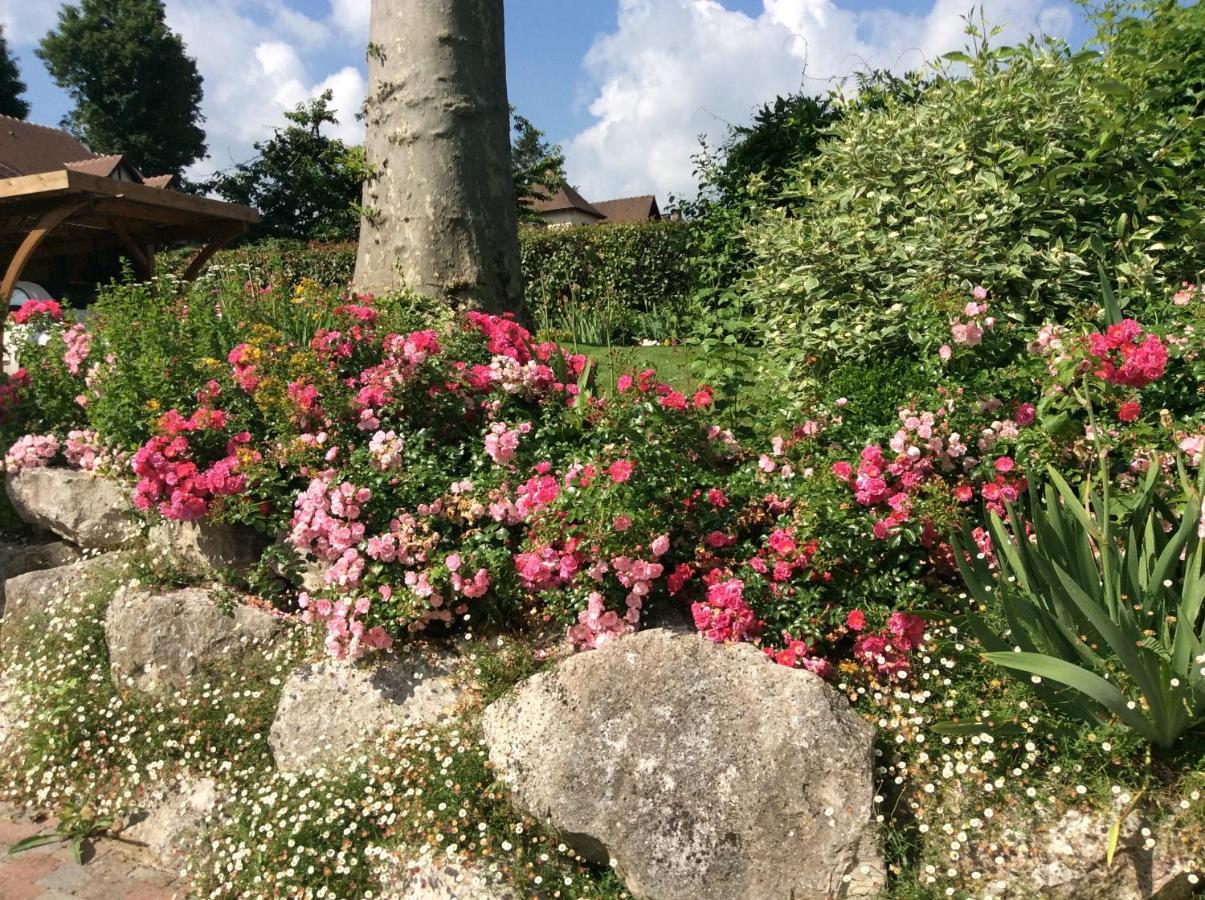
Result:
[
  {"x": 538, "y": 166},
  {"x": 136, "y": 90},
  {"x": 11, "y": 85},
  {"x": 304, "y": 183}
]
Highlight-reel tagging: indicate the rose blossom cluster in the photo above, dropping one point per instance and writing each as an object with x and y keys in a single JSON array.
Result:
[
  {"x": 797, "y": 655},
  {"x": 325, "y": 518},
  {"x": 386, "y": 449},
  {"x": 31, "y": 451},
  {"x": 346, "y": 636},
  {"x": 78, "y": 342},
  {"x": 83, "y": 450},
  {"x": 244, "y": 363},
  {"x": 502, "y": 441},
  {"x": 596, "y": 625},
  {"x": 1128, "y": 356},
  {"x": 10, "y": 393},
  {"x": 888, "y": 652},
  {"x": 877, "y": 482},
  {"x": 1188, "y": 290},
  {"x": 377, "y": 385},
  {"x": 968, "y": 329},
  {"x": 172, "y": 480},
  {"x": 31, "y": 308},
  {"x": 725, "y": 616}
]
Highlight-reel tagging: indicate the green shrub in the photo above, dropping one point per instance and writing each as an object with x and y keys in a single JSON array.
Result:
[
  {"x": 621, "y": 273},
  {"x": 612, "y": 283},
  {"x": 1022, "y": 176},
  {"x": 330, "y": 264}
]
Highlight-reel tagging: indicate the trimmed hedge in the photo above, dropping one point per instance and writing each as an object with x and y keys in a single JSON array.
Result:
[
  {"x": 329, "y": 264},
  {"x": 635, "y": 267},
  {"x": 632, "y": 267}
]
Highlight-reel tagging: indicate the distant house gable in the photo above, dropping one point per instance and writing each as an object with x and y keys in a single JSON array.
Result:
[
  {"x": 29, "y": 149},
  {"x": 568, "y": 207},
  {"x": 627, "y": 210},
  {"x": 565, "y": 207}
]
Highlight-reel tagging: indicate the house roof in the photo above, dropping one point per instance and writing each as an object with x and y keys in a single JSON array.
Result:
[
  {"x": 565, "y": 198},
  {"x": 104, "y": 166},
  {"x": 629, "y": 209},
  {"x": 28, "y": 149}
]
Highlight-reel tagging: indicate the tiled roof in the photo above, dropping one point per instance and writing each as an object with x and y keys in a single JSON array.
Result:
[
  {"x": 103, "y": 166},
  {"x": 563, "y": 199},
  {"x": 629, "y": 209},
  {"x": 27, "y": 149}
]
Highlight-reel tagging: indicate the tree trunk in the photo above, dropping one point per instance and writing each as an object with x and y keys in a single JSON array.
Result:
[{"x": 439, "y": 208}]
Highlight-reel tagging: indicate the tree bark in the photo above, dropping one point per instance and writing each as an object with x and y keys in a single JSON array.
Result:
[{"x": 439, "y": 209}]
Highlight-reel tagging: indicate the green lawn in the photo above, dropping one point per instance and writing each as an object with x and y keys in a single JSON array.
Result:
[{"x": 672, "y": 364}]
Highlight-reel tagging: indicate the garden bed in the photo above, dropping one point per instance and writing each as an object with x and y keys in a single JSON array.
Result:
[{"x": 423, "y": 481}]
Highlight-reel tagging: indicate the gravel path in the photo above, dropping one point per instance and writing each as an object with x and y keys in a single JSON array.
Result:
[{"x": 116, "y": 871}]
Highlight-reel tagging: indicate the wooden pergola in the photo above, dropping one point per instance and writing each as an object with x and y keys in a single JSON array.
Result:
[{"x": 65, "y": 212}]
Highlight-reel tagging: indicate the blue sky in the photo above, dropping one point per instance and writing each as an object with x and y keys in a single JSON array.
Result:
[{"x": 626, "y": 86}]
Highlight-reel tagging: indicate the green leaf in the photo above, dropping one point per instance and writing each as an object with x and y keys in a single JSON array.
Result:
[
  {"x": 35, "y": 840},
  {"x": 1103, "y": 692},
  {"x": 1112, "y": 310}
]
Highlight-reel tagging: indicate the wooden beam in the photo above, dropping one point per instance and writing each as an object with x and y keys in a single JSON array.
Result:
[
  {"x": 128, "y": 209},
  {"x": 215, "y": 244},
  {"x": 46, "y": 183},
  {"x": 158, "y": 197},
  {"x": 51, "y": 219},
  {"x": 143, "y": 261}
]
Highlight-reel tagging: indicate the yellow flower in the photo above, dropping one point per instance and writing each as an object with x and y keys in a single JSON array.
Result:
[{"x": 152, "y": 405}]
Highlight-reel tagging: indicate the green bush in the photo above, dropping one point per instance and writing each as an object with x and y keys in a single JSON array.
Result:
[
  {"x": 624, "y": 274},
  {"x": 612, "y": 283},
  {"x": 287, "y": 261},
  {"x": 1024, "y": 176}
]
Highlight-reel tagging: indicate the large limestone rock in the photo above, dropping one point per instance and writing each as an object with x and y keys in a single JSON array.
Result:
[
  {"x": 208, "y": 546},
  {"x": 83, "y": 507},
  {"x": 32, "y": 592},
  {"x": 17, "y": 559},
  {"x": 331, "y": 708},
  {"x": 171, "y": 828},
  {"x": 705, "y": 772},
  {"x": 160, "y": 642}
]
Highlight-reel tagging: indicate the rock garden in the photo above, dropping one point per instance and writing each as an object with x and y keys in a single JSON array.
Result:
[{"x": 899, "y": 591}]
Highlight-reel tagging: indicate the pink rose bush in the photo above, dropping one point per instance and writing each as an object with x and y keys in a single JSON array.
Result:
[
  {"x": 450, "y": 468},
  {"x": 173, "y": 475},
  {"x": 31, "y": 451}
]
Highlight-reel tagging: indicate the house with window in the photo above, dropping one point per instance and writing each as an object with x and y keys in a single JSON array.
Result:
[{"x": 567, "y": 207}]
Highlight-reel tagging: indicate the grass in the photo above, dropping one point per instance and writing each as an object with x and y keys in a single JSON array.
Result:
[{"x": 672, "y": 364}]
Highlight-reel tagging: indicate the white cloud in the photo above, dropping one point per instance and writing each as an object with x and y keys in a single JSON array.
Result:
[
  {"x": 675, "y": 69},
  {"x": 255, "y": 68},
  {"x": 258, "y": 58},
  {"x": 25, "y": 22},
  {"x": 351, "y": 16}
]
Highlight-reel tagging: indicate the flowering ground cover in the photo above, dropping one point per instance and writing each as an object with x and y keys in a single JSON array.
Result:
[{"x": 445, "y": 471}]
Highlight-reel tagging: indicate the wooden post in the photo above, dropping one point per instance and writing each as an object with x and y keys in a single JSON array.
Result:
[
  {"x": 224, "y": 236},
  {"x": 140, "y": 255},
  {"x": 50, "y": 220}
]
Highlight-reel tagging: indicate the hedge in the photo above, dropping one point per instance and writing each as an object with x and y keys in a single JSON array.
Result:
[{"x": 634, "y": 267}]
